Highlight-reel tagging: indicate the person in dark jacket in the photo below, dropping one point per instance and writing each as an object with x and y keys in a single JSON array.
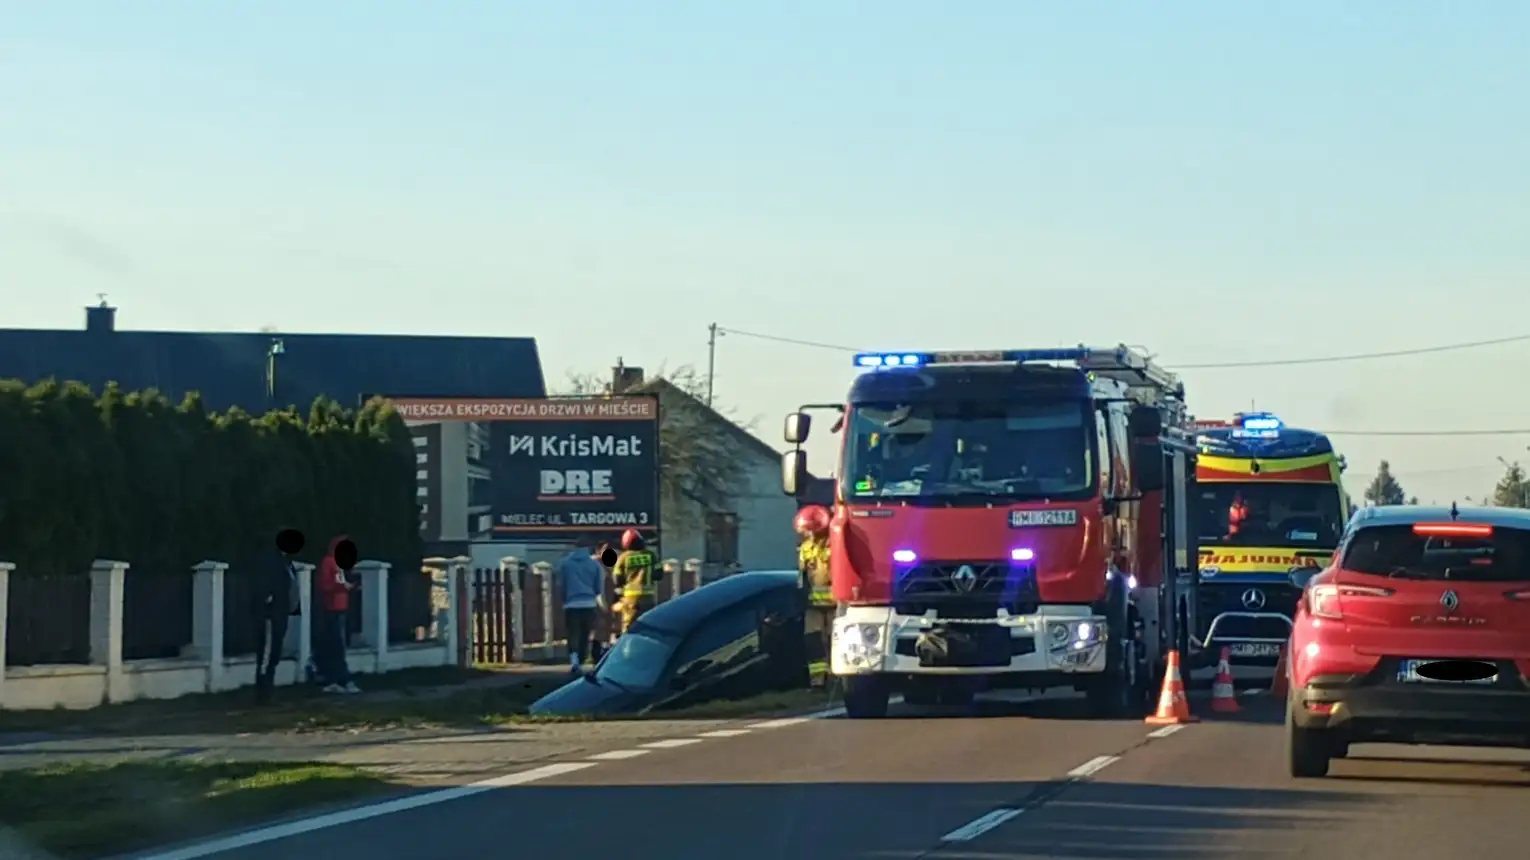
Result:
[{"x": 276, "y": 601}]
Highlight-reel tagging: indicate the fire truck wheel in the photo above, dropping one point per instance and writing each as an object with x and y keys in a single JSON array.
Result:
[
  {"x": 1122, "y": 690},
  {"x": 866, "y": 697}
]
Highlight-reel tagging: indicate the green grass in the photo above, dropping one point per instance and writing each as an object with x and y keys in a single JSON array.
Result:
[
  {"x": 80, "y": 811},
  {"x": 410, "y": 699}
]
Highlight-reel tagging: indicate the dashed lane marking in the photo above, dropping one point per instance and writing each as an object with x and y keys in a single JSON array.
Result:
[
  {"x": 724, "y": 733},
  {"x": 1093, "y": 766},
  {"x": 1167, "y": 730},
  {"x": 977, "y": 827},
  {"x": 617, "y": 755},
  {"x": 670, "y": 743}
]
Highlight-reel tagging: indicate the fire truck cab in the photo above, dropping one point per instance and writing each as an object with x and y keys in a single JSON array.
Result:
[{"x": 1006, "y": 519}]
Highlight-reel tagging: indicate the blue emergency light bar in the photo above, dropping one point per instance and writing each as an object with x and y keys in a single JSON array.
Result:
[
  {"x": 1258, "y": 421},
  {"x": 872, "y": 360}
]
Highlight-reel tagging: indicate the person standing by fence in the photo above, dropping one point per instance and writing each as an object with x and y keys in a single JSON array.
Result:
[
  {"x": 581, "y": 585},
  {"x": 335, "y": 587},
  {"x": 276, "y": 601}
]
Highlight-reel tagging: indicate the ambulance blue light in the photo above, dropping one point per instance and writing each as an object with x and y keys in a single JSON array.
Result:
[
  {"x": 888, "y": 359},
  {"x": 1261, "y": 421}
]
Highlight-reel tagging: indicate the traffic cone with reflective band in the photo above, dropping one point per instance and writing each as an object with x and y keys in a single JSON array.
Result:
[
  {"x": 1224, "y": 697},
  {"x": 1278, "y": 684},
  {"x": 1173, "y": 706}
]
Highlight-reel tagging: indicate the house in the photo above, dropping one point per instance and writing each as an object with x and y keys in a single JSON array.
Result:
[{"x": 749, "y": 527}]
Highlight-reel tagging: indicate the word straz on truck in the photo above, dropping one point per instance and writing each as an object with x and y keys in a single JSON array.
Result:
[
  {"x": 1268, "y": 501},
  {"x": 1005, "y": 519}
]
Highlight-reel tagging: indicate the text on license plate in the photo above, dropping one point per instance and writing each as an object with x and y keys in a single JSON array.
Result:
[
  {"x": 1253, "y": 649},
  {"x": 1408, "y": 673}
]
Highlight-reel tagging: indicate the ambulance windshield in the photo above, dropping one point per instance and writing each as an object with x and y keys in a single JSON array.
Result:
[
  {"x": 1269, "y": 514},
  {"x": 952, "y": 451}
]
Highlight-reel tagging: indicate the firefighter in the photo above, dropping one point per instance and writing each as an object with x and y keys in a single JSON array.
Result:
[
  {"x": 812, "y": 526},
  {"x": 635, "y": 574}
]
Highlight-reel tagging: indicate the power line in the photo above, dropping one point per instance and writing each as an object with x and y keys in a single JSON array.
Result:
[
  {"x": 1524, "y": 431},
  {"x": 1279, "y": 362}
]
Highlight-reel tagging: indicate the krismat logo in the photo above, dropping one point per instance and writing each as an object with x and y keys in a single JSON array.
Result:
[{"x": 578, "y": 483}]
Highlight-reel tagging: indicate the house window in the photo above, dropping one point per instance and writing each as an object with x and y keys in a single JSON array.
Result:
[{"x": 721, "y": 538}]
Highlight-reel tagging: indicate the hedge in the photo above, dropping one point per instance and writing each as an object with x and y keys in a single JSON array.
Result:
[{"x": 133, "y": 477}]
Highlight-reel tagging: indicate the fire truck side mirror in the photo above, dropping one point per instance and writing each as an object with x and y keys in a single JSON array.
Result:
[
  {"x": 798, "y": 424},
  {"x": 1147, "y": 467},
  {"x": 1146, "y": 423},
  {"x": 794, "y": 472}
]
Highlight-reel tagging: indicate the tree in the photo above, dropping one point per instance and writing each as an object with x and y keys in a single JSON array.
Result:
[
  {"x": 1513, "y": 491},
  {"x": 1384, "y": 489},
  {"x": 701, "y": 459}
]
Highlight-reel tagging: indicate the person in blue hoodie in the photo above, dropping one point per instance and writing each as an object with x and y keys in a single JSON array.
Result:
[{"x": 582, "y": 584}]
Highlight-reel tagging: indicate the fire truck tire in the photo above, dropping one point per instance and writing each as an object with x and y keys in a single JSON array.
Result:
[
  {"x": 1122, "y": 689},
  {"x": 866, "y": 697}
]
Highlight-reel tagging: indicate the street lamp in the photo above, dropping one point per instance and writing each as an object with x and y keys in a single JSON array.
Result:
[{"x": 275, "y": 348}]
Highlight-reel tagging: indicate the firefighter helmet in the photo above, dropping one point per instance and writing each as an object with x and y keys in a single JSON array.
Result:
[
  {"x": 812, "y": 520},
  {"x": 631, "y": 539}
]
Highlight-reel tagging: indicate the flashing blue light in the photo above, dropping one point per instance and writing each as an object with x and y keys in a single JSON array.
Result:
[
  {"x": 1262, "y": 422},
  {"x": 1022, "y": 554},
  {"x": 904, "y": 556},
  {"x": 889, "y": 359},
  {"x": 874, "y": 360}
]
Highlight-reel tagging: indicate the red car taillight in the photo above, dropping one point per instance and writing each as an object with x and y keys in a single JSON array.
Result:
[{"x": 1326, "y": 601}]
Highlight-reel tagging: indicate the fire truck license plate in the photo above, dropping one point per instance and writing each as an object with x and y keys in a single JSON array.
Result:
[{"x": 1057, "y": 517}]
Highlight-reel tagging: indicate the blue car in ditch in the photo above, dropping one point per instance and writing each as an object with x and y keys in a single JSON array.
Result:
[{"x": 739, "y": 636}]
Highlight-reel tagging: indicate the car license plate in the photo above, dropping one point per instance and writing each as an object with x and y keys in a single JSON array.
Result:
[
  {"x": 1408, "y": 674},
  {"x": 1253, "y": 649}
]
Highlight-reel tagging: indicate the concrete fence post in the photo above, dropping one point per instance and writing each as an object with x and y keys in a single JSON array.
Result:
[
  {"x": 693, "y": 567},
  {"x": 107, "y": 580},
  {"x": 302, "y": 631},
  {"x": 207, "y": 618},
  {"x": 5, "y": 593},
  {"x": 374, "y": 608},
  {"x": 510, "y": 572},
  {"x": 543, "y": 570}
]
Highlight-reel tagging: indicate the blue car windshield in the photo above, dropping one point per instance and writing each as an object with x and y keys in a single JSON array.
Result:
[{"x": 638, "y": 659}]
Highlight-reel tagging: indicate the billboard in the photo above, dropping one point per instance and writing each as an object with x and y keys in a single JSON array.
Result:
[{"x": 535, "y": 469}]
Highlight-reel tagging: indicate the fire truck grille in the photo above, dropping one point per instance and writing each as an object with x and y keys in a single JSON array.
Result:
[{"x": 966, "y": 589}]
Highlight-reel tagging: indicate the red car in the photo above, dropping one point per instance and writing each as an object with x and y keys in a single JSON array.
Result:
[{"x": 1419, "y": 632}]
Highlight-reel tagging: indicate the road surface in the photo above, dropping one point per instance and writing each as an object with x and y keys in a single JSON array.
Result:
[{"x": 1022, "y": 780}]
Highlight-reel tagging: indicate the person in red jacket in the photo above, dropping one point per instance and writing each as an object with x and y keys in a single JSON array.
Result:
[{"x": 334, "y": 588}]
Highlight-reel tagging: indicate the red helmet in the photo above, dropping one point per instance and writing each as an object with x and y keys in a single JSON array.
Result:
[
  {"x": 631, "y": 539},
  {"x": 812, "y": 520}
]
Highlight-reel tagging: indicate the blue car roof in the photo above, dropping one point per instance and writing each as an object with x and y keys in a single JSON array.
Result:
[{"x": 684, "y": 612}]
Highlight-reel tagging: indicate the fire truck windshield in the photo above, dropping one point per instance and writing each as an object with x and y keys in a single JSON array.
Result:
[
  {"x": 1269, "y": 514},
  {"x": 944, "y": 451}
]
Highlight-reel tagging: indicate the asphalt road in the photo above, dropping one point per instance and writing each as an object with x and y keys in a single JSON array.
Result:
[{"x": 1033, "y": 780}]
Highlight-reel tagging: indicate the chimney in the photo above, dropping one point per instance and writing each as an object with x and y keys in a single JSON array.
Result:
[
  {"x": 101, "y": 319},
  {"x": 624, "y": 379}
]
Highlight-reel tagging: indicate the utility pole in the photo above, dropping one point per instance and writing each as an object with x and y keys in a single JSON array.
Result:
[{"x": 711, "y": 359}]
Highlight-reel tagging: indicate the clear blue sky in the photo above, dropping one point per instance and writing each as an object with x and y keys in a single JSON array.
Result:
[{"x": 1220, "y": 181}]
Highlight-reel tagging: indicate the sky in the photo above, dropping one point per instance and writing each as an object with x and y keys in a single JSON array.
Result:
[{"x": 1219, "y": 182}]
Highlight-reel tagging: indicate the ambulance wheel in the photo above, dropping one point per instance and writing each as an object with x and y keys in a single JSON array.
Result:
[
  {"x": 866, "y": 697},
  {"x": 1308, "y": 751}
]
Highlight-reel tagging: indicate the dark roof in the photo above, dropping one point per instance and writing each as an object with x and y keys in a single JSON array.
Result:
[
  {"x": 1289, "y": 442},
  {"x": 682, "y": 613},
  {"x": 1401, "y": 515},
  {"x": 229, "y": 369}
]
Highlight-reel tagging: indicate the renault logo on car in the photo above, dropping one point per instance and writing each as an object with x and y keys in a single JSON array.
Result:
[
  {"x": 1449, "y": 601},
  {"x": 964, "y": 578},
  {"x": 1253, "y": 599}
]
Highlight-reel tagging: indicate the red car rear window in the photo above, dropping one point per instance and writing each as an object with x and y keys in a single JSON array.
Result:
[{"x": 1395, "y": 550}]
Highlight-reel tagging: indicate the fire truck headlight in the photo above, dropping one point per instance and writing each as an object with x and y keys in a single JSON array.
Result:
[
  {"x": 1058, "y": 633},
  {"x": 859, "y": 645},
  {"x": 1075, "y": 634}
]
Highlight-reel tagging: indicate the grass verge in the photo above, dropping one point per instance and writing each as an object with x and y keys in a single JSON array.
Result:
[
  {"x": 411, "y": 699},
  {"x": 80, "y": 811}
]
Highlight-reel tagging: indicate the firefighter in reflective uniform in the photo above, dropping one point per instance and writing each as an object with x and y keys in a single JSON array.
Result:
[
  {"x": 635, "y": 575},
  {"x": 812, "y": 525}
]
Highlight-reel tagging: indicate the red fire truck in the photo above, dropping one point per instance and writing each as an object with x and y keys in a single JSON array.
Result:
[{"x": 1006, "y": 519}]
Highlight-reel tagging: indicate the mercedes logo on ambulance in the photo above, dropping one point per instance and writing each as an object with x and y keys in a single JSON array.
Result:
[
  {"x": 1253, "y": 599},
  {"x": 964, "y": 578},
  {"x": 1449, "y": 601}
]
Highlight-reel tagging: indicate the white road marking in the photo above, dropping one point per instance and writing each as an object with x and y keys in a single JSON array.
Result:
[
  {"x": 362, "y": 813},
  {"x": 1167, "y": 730},
  {"x": 781, "y": 723},
  {"x": 1093, "y": 766},
  {"x": 670, "y": 743},
  {"x": 724, "y": 733},
  {"x": 617, "y": 755},
  {"x": 977, "y": 827}
]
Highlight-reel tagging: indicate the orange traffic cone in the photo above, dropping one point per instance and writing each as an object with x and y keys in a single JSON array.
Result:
[
  {"x": 1224, "y": 697},
  {"x": 1173, "y": 706},
  {"x": 1278, "y": 684}
]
